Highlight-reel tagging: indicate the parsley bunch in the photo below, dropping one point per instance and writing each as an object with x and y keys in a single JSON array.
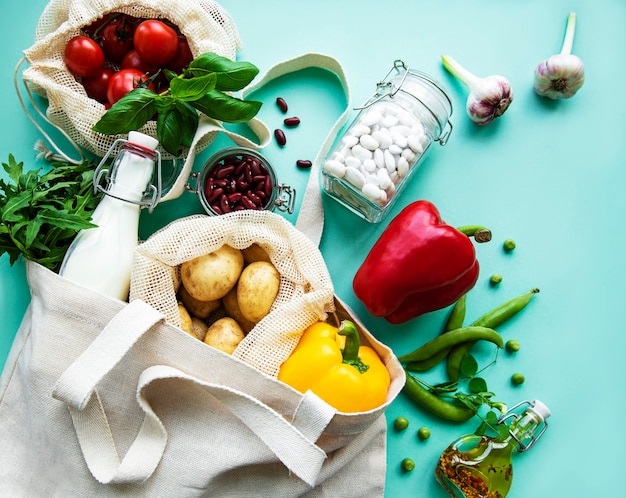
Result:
[{"x": 41, "y": 212}]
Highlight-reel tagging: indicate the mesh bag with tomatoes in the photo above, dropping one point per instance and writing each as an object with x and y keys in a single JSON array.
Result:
[{"x": 88, "y": 53}]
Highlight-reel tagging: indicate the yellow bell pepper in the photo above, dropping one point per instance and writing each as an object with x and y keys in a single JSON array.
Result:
[{"x": 332, "y": 363}]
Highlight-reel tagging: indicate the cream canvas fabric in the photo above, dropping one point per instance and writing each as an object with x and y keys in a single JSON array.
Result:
[{"x": 104, "y": 398}]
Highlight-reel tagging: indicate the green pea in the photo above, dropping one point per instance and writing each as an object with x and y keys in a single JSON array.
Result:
[
  {"x": 407, "y": 465},
  {"x": 423, "y": 433},
  {"x": 508, "y": 245},
  {"x": 401, "y": 423},
  {"x": 517, "y": 379},
  {"x": 512, "y": 346},
  {"x": 495, "y": 279}
]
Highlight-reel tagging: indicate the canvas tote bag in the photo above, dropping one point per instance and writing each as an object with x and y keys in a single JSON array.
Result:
[{"x": 105, "y": 398}]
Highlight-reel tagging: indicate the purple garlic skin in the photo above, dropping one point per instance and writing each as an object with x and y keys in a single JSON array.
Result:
[
  {"x": 559, "y": 77},
  {"x": 489, "y": 100}
]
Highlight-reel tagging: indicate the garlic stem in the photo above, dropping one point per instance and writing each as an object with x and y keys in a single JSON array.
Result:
[
  {"x": 570, "y": 28},
  {"x": 469, "y": 79}
]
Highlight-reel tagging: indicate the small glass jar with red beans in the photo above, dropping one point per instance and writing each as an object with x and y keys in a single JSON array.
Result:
[{"x": 240, "y": 178}]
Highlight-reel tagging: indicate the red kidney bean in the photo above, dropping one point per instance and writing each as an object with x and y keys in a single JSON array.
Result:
[
  {"x": 236, "y": 183},
  {"x": 291, "y": 122},
  {"x": 282, "y": 104},
  {"x": 281, "y": 139},
  {"x": 304, "y": 163}
]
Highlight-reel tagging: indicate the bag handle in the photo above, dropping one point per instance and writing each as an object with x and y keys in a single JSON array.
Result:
[
  {"x": 293, "y": 443},
  {"x": 310, "y": 219}
]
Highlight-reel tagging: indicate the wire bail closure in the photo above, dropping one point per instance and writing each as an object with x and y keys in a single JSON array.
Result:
[
  {"x": 522, "y": 446},
  {"x": 386, "y": 88},
  {"x": 151, "y": 196}
]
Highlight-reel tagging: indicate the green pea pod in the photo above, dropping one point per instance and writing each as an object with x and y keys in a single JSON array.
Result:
[
  {"x": 452, "y": 338},
  {"x": 455, "y": 321},
  {"x": 492, "y": 319},
  {"x": 434, "y": 404}
]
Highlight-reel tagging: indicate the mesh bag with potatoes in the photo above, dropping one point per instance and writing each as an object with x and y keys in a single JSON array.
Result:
[
  {"x": 207, "y": 26},
  {"x": 305, "y": 294}
]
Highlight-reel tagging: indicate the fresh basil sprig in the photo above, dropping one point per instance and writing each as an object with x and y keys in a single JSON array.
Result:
[
  {"x": 201, "y": 87},
  {"x": 41, "y": 213}
]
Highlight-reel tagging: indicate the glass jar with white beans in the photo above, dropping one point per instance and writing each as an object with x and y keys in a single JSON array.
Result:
[{"x": 374, "y": 157}]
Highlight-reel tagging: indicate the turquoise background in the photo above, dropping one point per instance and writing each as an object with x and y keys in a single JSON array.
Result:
[{"x": 548, "y": 174}]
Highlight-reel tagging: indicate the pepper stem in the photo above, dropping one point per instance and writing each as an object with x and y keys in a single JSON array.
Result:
[
  {"x": 454, "y": 68},
  {"x": 479, "y": 232},
  {"x": 570, "y": 28},
  {"x": 350, "y": 352}
]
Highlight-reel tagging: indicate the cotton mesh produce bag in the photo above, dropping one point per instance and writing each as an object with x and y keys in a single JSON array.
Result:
[
  {"x": 305, "y": 294},
  {"x": 207, "y": 26}
]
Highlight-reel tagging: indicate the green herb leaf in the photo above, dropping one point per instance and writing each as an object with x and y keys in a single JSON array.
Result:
[
  {"x": 176, "y": 125},
  {"x": 129, "y": 113},
  {"x": 223, "y": 107},
  {"x": 469, "y": 365},
  {"x": 477, "y": 385},
  {"x": 192, "y": 89},
  {"x": 231, "y": 75}
]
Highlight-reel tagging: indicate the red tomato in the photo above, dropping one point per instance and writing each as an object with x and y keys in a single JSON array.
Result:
[
  {"x": 116, "y": 38},
  {"x": 182, "y": 58},
  {"x": 156, "y": 42},
  {"x": 132, "y": 60},
  {"x": 123, "y": 82},
  {"x": 83, "y": 56},
  {"x": 96, "y": 86}
]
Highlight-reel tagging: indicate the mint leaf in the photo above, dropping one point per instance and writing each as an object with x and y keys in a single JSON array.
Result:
[{"x": 129, "y": 113}]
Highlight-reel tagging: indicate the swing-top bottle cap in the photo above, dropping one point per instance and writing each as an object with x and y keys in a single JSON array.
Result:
[
  {"x": 540, "y": 409},
  {"x": 142, "y": 140}
]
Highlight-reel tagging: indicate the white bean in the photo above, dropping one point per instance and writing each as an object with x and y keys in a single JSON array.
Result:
[
  {"x": 389, "y": 121},
  {"x": 371, "y": 118},
  {"x": 395, "y": 149},
  {"x": 379, "y": 158},
  {"x": 369, "y": 165},
  {"x": 384, "y": 181},
  {"x": 355, "y": 177},
  {"x": 383, "y": 137},
  {"x": 403, "y": 167},
  {"x": 371, "y": 191},
  {"x": 415, "y": 144},
  {"x": 361, "y": 152},
  {"x": 368, "y": 142},
  {"x": 390, "y": 162},
  {"x": 335, "y": 168},
  {"x": 350, "y": 140},
  {"x": 399, "y": 139},
  {"x": 359, "y": 129}
]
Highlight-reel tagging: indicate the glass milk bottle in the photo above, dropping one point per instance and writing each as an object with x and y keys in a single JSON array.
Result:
[
  {"x": 481, "y": 466},
  {"x": 100, "y": 258}
]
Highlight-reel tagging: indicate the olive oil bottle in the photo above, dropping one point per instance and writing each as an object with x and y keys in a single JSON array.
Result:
[{"x": 476, "y": 466}]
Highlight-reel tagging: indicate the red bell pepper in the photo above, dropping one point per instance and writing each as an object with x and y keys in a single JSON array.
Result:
[{"x": 419, "y": 264}]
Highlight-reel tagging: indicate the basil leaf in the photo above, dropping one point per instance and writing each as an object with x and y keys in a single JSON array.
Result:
[
  {"x": 129, "y": 113},
  {"x": 177, "y": 122},
  {"x": 231, "y": 75},
  {"x": 192, "y": 89},
  {"x": 223, "y": 107}
]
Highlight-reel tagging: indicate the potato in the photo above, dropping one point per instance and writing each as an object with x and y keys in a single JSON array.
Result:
[
  {"x": 200, "y": 309},
  {"x": 225, "y": 334},
  {"x": 198, "y": 327},
  {"x": 255, "y": 253},
  {"x": 211, "y": 276},
  {"x": 185, "y": 319},
  {"x": 232, "y": 310},
  {"x": 257, "y": 289}
]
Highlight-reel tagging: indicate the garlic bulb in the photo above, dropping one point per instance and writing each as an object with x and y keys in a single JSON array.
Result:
[
  {"x": 562, "y": 75},
  {"x": 489, "y": 97}
]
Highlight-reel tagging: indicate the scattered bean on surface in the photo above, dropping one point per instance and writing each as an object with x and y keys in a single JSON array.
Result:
[
  {"x": 407, "y": 464},
  {"x": 304, "y": 163},
  {"x": 495, "y": 279},
  {"x": 281, "y": 139},
  {"x": 512, "y": 346},
  {"x": 385, "y": 138},
  {"x": 508, "y": 245},
  {"x": 291, "y": 122},
  {"x": 517, "y": 379},
  {"x": 282, "y": 104},
  {"x": 423, "y": 433},
  {"x": 401, "y": 423},
  {"x": 238, "y": 182}
]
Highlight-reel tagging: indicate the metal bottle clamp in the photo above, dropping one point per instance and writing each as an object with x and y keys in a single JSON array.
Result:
[
  {"x": 386, "y": 88},
  {"x": 522, "y": 446},
  {"x": 103, "y": 170}
]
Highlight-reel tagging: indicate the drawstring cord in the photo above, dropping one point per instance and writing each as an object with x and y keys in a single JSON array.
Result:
[{"x": 40, "y": 146}]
